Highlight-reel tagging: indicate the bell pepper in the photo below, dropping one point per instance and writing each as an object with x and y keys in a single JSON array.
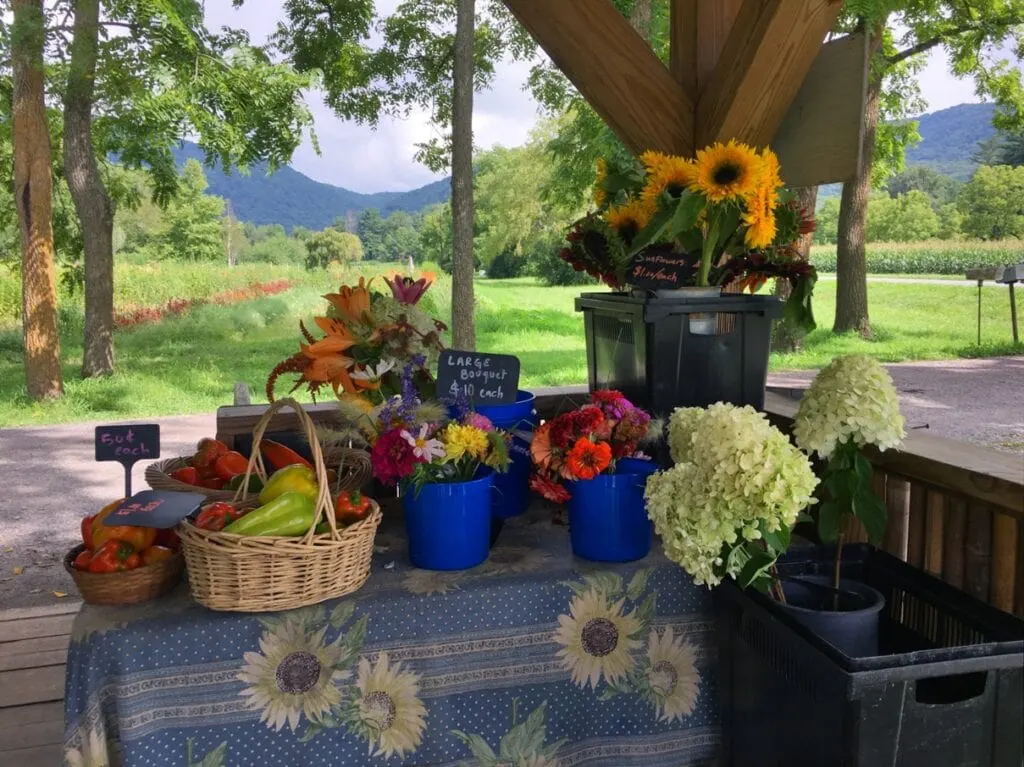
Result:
[
  {"x": 139, "y": 537},
  {"x": 87, "y": 530},
  {"x": 207, "y": 453},
  {"x": 211, "y": 483},
  {"x": 280, "y": 455},
  {"x": 351, "y": 507},
  {"x": 83, "y": 560},
  {"x": 230, "y": 465},
  {"x": 255, "y": 483},
  {"x": 114, "y": 556},
  {"x": 156, "y": 554},
  {"x": 288, "y": 514},
  {"x": 214, "y": 516},
  {"x": 186, "y": 474},
  {"x": 291, "y": 479}
]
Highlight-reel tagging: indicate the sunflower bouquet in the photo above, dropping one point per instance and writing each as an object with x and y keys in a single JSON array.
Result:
[
  {"x": 586, "y": 442},
  {"x": 726, "y": 213},
  {"x": 370, "y": 339}
]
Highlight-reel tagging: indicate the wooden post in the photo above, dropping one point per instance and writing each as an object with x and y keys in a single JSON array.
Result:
[
  {"x": 897, "y": 501},
  {"x": 916, "y": 525},
  {"x": 684, "y": 45},
  {"x": 978, "y": 551},
  {"x": 935, "y": 518},
  {"x": 953, "y": 552},
  {"x": 1004, "y": 560},
  {"x": 1013, "y": 315}
]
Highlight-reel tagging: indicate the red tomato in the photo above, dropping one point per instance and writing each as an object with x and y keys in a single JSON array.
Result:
[
  {"x": 230, "y": 465},
  {"x": 186, "y": 474}
]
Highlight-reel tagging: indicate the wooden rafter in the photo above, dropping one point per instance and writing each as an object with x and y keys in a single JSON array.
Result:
[
  {"x": 615, "y": 70},
  {"x": 683, "y": 48},
  {"x": 770, "y": 49}
]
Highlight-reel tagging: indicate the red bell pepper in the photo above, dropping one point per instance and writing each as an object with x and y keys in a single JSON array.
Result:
[
  {"x": 87, "y": 530},
  {"x": 187, "y": 474},
  {"x": 280, "y": 455},
  {"x": 83, "y": 560},
  {"x": 207, "y": 453},
  {"x": 230, "y": 465},
  {"x": 114, "y": 556},
  {"x": 351, "y": 507},
  {"x": 214, "y": 516}
]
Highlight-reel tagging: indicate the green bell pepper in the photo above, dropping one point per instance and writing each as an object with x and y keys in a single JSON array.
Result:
[
  {"x": 289, "y": 514},
  {"x": 255, "y": 483}
]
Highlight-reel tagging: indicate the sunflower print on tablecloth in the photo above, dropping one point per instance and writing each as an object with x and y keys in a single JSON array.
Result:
[
  {"x": 597, "y": 639},
  {"x": 391, "y": 715},
  {"x": 671, "y": 680},
  {"x": 90, "y": 749},
  {"x": 522, "y": 746}
]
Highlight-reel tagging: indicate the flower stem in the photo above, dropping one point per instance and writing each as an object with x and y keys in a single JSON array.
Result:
[{"x": 836, "y": 570}]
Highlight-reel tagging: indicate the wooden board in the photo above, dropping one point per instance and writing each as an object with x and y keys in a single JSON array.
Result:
[
  {"x": 615, "y": 70},
  {"x": 683, "y": 44},
  {"x": 819, "y": 139},
  {"x": 34, "y": 622},
  {"x": 769, "y": 51},
  {"x": 39, "y": 724},
  {"x": 32, "y": 685},
  {"x": 26, "y": 653}
]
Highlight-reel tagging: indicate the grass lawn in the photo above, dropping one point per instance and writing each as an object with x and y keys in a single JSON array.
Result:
[{"x": 190, "y": 364}]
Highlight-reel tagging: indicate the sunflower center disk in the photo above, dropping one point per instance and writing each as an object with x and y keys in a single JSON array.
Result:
[
  {"x": 664, "y": 678},
  {"x": 599, "y": 637},
  {"x": 726, "y": 174},
  {"x": 298, "y": 673},
  {"x": 379, "y": 709}
]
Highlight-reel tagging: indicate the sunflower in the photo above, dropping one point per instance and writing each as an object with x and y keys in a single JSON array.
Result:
[
  {"x": 391, "y": 713},
  {"x": 727, "y": 172},
  {"x": 596, "y": 639},
  {"x": 294, "y": 674},
  {"x": 760, "y": 218},
  {"x": 671, "y": 675},
  {"x": 588, "y": 459},
  {"x": 91, "y": 750},
  {"x": 600, "y": 194},
  {"x": 666, "y": 173},
  {"x": 629, "y": 218}
]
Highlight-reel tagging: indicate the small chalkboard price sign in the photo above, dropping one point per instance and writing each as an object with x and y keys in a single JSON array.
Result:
[
  {"x": 659, "y": 270},
  {"x": 483, "y": 379},
  {"x": 126, "y": 444},
  {"x": 155, "y": 508}
]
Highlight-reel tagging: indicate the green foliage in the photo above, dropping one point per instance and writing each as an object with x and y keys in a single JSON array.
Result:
[
  {"x": 906, "y": 218},
  {"x": 939, "y": 187},
  {"x": 848, "y": 481},
  {"x": 992, "y": 203},
  {"x": 372, "y": 232},
  {"x": 330, "y": 246},
  {"x": 401, "y": 237},
  {"x": 506, "y": 265},
  {"x": 276, "y": 250},
  {"x": 550, "y": 268},
  {"x": 192, "y": 228},
  {"x": 925, "y": 257},
  {"x": 436, "y": 236}
]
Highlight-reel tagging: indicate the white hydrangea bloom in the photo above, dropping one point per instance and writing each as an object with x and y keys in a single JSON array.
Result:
[
  {"x": 853, "y": 398},
  {"x": 738, "y": 470}
]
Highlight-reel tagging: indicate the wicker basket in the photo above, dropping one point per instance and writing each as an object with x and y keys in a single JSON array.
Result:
[
  {"x": 128, "y": 587},
  {"x": 260, "y": 574},
  {"x": 158, "y": 476}
]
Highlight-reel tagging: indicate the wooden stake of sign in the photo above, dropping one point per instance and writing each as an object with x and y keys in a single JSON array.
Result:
[{"x": 127, "y": 444}]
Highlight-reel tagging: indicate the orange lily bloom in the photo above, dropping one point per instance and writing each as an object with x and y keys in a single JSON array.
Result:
[
  {"x": 333, "y": 370},
  {"x": 351, "y": 303}
]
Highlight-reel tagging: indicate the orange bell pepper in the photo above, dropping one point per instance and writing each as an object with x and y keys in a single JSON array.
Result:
[
  {"x": 230, "y": 465},
  {"x": 156, "y": 554},
  {"x": 139, "y": 537},
  {"x": 114, "y": 556}
]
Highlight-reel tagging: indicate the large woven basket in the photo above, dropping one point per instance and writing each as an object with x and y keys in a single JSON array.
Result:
[
  {"x": 128, "y": 587},
  {"x": 260, "y": 574},
  {"x": 158, "y": 476}
]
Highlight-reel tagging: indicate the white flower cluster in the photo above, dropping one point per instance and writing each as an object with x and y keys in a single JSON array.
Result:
[
  {"x": 853, "y": 398},
  {"x": 734, "y": 471}
]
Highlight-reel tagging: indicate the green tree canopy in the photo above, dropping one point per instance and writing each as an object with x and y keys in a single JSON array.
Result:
[
  {"x": 939, "y": 187},
  {"x": 372, "y": 231},
  {"x": 330, "y": 245},
  {"x": 992, "y": 203}
]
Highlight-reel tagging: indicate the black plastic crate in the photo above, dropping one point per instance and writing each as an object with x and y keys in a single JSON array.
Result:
[
  {"x": 946, "y": 690},
  {"x": 644, "y": 348}
]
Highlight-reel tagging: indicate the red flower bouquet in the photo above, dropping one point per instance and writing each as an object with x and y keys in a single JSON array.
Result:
[{"x": 586, "y": 442}]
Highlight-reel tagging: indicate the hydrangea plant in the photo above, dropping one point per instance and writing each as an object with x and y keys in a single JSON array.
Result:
[
  {"x": 726, "y": 508},
  {"x": 851, "y": 403}
]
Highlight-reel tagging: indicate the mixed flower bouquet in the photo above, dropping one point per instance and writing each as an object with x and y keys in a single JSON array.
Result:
[
  {"x": 586, "y": 442},
  {"x": 725, "y": 213},
  {"x": 850, "y": 404},
  {"x": 727, "y": 506},
  {"x": 369, "y": 339}
]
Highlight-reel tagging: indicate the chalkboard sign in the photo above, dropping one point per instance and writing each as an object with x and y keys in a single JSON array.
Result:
[
  {"x": 155, "y": 508},
  {"x": 657, "y": 269},
  {"x": 126, "y": 444},
  {"x": 483, "y": 379}
]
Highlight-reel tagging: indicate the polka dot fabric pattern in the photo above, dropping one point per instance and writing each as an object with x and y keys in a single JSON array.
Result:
[{"x": 533, "y": 659}]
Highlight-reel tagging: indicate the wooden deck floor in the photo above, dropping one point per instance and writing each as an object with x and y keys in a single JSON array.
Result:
[{"x": 33, "y": 649}]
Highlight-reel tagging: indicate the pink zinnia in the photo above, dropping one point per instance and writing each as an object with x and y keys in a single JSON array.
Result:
[
  {"x": 478, "y": 420},
  {"x": 392, "y": 457}
]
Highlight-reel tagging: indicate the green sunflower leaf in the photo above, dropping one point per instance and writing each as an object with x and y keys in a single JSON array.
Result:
[
  {"x": 342, "y": 613},
  {"x": 479, "y": 748},
  {"x": 609, "y": 584},
  {"x": 216, "y": 757},
  {"x": 638, "y": 584},
  {"x": 645, "y": 613}
]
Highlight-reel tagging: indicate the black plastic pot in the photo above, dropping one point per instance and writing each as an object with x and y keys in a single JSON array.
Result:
[
  {"x": 946, "y": 688},
  {"x": 848, "y": 620},
  {"x": 646, "y": 348}
]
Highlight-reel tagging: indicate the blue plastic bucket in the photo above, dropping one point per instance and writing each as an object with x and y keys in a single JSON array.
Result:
[
  {"x": 449, "y": 525},
  {"x": 607, "y": 518},
  {"x": 512, "y": 488}
]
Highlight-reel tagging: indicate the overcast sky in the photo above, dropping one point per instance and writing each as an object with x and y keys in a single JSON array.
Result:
[{"x": 364, "y": 160}]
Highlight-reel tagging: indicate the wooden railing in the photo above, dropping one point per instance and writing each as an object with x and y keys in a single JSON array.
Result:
[{"x": 956, "y": 509}]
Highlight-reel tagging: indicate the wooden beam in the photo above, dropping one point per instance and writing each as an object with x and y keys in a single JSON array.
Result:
[
  {"x": 683, "y": 45},
  {"x": 714, "y": 23},
  {"x": 615, "y": 70},
  {"x": 819, "y": 141},
  {"x": 768, "y": 53}
]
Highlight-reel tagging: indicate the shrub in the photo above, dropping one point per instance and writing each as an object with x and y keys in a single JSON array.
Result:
[
  {"x": 506, "y": 265},
  {"x": 925, "y": 257},
  {"x": 549, "y": 267}
]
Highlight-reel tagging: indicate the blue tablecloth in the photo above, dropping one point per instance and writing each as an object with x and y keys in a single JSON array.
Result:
[{"x": 533, "y": 659}]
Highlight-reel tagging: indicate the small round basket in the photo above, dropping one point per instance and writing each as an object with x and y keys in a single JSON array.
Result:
[
  {"x": 128, "y": 587},
  {"x": 265, "y": 573},
  {"x": 158, "y": 476}
]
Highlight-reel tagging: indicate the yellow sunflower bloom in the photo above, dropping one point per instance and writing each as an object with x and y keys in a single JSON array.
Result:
[
  {"x": 667, "y": 174},
  {"x": 760, "y": 217},
  {"x": 629, "y": 218},
  {"x": 727, "y": 172},
  {"x": 600, "y": 195}
]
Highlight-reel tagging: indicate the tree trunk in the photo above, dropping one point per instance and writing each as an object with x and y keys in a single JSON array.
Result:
[
  {"x": 463, "y": 268},
  {"x": 33, "y": 194},
  {"x": 92, "y": 203},
  {"x": 642, "y": 18},
  {"x": 851, "y": 258},
  {"x": 786, "y": 337}
]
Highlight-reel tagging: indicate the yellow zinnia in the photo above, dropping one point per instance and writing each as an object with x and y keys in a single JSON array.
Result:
[
  {"x": 727, "y": 172},
  {"x": 629, "y": 218},
  {"x": 667, "y": 174},
  {"x": 462, "y": 441}
]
